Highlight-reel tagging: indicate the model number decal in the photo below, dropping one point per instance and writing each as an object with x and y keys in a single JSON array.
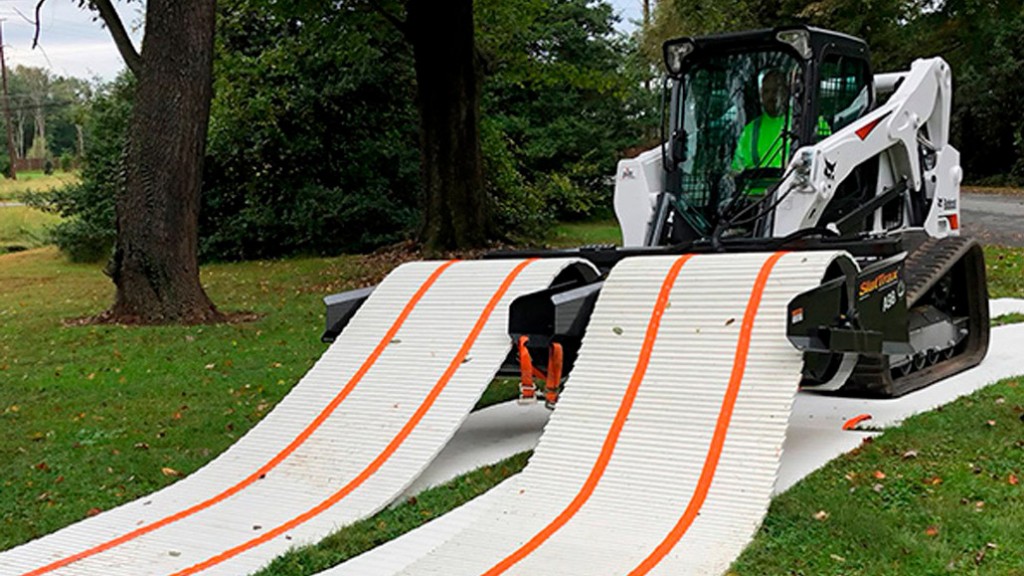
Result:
[
  {"x": 878, "y": 282},
  {"x": 888, "y": 301}
]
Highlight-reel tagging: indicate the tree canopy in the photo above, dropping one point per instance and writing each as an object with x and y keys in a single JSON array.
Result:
[{"x": 979, "y": 38}]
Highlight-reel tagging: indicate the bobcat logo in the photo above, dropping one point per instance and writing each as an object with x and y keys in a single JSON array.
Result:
[{"x": 830, "y": 170}]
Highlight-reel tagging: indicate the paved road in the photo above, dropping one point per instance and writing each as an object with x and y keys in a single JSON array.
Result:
[
  {"x": 11, "y": 204},
  {"x": 994, "y": 218}
]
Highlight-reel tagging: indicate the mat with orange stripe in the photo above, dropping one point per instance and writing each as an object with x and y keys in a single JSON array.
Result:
[
  {"x": 353, "y": 433},
  {"x": 663, "y": 452}
]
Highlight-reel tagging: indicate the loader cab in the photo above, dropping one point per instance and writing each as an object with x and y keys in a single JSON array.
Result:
[{"x": 740, "y": 105}]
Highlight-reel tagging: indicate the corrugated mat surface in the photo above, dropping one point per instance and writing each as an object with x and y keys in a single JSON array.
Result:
[
  {"x": 662, "y": 454},
  {"x": 353, "y": 434}
]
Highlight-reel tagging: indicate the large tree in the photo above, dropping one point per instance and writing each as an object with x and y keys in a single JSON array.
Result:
[
  {"x": 448, "y": 84},
  {"x": 155, "y": 263}
]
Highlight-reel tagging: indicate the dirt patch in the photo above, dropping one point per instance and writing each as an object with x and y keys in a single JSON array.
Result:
[{"x": 375, "y": 266}]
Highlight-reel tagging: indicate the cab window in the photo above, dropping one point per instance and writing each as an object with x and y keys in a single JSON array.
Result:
[{"x": 843, "y": 93}]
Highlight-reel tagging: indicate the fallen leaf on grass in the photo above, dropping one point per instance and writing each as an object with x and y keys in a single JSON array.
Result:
[
  {"x": 932, "y": 531},
  {"x": 93, "y": 511},
  {"x": 879, "y": 475},
  {"x": 981, "y": 553},
  {"x": 167, "y": 471},
  {"x": 821, "y": 515},
  {"x": 1013, "y": 480}
]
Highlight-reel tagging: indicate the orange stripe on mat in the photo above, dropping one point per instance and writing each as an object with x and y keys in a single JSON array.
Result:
[
  {"x": 388, "y": 451},
  {"x": 707, "y": 473},
  {"x": 276, "y": 460},
  {"x": 653, "y": 325}
]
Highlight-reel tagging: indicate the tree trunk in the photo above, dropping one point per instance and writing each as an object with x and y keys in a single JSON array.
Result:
[
  {"x": 155, "y": 265},
  {"x": 449, "y": 85}
]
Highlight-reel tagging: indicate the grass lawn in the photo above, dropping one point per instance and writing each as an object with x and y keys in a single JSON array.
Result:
[
  {"x": 37, "y": 181},
  {"x": 568, "y": 235},
  {"x": 97, "y": 416},
  {"x": 23, "y": 227}
]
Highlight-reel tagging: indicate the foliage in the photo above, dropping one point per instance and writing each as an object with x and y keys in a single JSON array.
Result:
[
  {"x": 522, "y": 212},
  {"x": 46, "y": 111},
  {"x": 563, "y": 88},
  {"x": 86, "y": 233},
  {"x": 979, "y": 38},
  {"x": 312, "y": 143}
]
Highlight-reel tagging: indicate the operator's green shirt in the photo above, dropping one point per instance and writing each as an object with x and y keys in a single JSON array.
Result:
[{"x": 755, "y": 150}]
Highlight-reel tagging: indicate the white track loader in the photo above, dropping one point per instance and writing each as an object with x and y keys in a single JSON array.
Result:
[{"x": 784, "y": 140}]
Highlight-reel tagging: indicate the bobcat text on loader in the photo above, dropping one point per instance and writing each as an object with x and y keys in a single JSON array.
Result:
[{"x": 784, "y": 139}]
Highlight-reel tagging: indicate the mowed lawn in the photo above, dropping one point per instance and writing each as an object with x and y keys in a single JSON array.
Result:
[
  {"x": 33, "y": 181},
  {"x": 97, "y": 416},
  {"x": 23, "y": 227}
]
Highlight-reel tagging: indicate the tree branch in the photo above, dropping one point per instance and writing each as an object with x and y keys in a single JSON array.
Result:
[
  {"x": 106, "y": 10},
  {"x": 35, "y": 38}
]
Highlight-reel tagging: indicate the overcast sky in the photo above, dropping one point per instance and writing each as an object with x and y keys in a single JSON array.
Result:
[{"x": 72, "y": 44}]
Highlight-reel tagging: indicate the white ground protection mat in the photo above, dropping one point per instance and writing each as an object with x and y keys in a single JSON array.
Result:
[
  {"x": 810, "y": 443},
  {"x": 668, "y": 436},
  {"x": 351, "y": 436}
]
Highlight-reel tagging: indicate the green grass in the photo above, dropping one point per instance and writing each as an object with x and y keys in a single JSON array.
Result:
[
  {"x": 92, "y": 414},
  {"x": 1013, "y": 318},
  {"x": 568, "y": 235},
  {"x": 23, "y": 227},
  {"x": 37, "y": 181},
  {"x": 91, "y": 417},
  {"x": 389, "y": 524},
  {"x": 934, "y": 496},
  {"x": 1005, "y": 267}
]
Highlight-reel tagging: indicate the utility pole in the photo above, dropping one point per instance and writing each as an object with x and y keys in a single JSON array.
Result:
[{"x": 11, "y": 172}]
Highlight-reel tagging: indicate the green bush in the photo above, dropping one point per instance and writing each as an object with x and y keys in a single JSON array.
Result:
[
  {"x": 522, "y": 212},
  {"x": 67, "y": 162},
  {"x": 87, "y": 231},
  {"x": 313, "y": 145},
  {"x": 313, "y": 139}
]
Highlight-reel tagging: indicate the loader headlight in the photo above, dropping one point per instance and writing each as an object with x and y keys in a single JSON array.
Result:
[
  {"x": 676, "y": 52},
  {"x": 799, "y": 39}
]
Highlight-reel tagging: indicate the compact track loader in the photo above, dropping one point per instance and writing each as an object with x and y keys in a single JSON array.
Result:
[{"x": 784, "y": 140}]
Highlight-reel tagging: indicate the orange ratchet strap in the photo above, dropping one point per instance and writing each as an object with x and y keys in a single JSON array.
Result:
[
  {"x": 553, "y": 382},
  {"x": 527, "y": 389},
  {"x": 528, "y": 373}
]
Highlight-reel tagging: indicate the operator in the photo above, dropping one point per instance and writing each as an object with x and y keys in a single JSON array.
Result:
[{"x": 760, "y": 144}]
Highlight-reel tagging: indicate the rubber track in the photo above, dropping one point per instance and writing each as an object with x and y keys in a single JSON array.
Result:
[{"x": 923, "y": 268}]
